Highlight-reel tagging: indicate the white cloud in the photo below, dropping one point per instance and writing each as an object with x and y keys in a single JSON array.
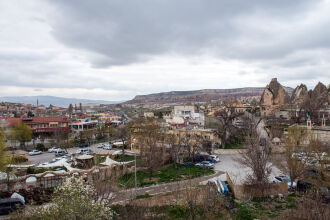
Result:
[{"x": 115, "y": 50}]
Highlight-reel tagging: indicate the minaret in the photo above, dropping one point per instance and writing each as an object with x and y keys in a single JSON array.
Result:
[{"x": 37, "y": 109}]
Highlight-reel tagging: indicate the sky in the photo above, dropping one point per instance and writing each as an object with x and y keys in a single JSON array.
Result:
[{"x": 114, "y": 50}]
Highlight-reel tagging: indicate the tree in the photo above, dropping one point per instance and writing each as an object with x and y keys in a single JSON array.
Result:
[
  {"x": 150, "y": 140},
  {"x": 73, "y": 200},
  {"x": 30, "y": 114},
  {"x": 122, "y": 133},
  {"x": 294, "y": 167},
  {"x": 21, "y": 133},
  {"x": 3, "y": 155},
  {"x": 175, "y": 148},
  {"x": 224, "y": 126},
  {"x": 257, "y": 157}
]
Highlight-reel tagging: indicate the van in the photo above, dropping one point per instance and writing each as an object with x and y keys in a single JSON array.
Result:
[{"x": 9, "y": 205}]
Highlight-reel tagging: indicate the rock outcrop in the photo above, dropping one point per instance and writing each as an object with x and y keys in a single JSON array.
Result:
[
  {"x": 273, "y": 98},
  {"x": 299, "y": 95},
  {"x": 320, "y": 95}
]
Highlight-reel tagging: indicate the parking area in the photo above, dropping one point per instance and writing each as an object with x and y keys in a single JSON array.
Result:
[
  {"x": 45, "y": 156},
  {"x": 228, "y": 163}
]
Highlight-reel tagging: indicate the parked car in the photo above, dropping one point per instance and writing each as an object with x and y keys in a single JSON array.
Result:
[
  {"x": 52, "y": 149},
  {"x": 215, "y": 157},
  {"x": 82, "y": 145},
  {"x": 84, "y": 151},
  {"x": 35, "y": 152},
  {"x": 60, "y": 152},
  {"x": 206, "y": 164},
  {"x": 200, "y": 157},
  {"x": 9, "y": 205},
  {"x": 107, "y": 147},
  {"x": 285, "y": 179},
  {"x": 100, "y": 146}
]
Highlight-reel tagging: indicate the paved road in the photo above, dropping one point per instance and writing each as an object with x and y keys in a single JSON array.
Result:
[{"x": 46, "y": 157}]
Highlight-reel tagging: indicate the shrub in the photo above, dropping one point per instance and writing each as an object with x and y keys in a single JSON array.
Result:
[
  {"x": 18, "y": 159},
  {"x": 41, "y": 147}
]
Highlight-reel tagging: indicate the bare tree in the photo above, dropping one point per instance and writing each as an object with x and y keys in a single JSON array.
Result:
[
  {"x": 150, "y": 140},
  {"x": 122, "y": 133},
  {"x": 294, "y": 167},
  {"x": 257, "y": 157}
]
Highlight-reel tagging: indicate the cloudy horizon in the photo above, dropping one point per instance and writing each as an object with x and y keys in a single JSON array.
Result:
[{"x": 114, "y": 50}]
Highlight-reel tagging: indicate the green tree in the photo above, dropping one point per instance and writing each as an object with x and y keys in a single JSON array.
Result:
[
  {"x": 3, "y": 155},
  {"x": 73, "y": 200},
  {"x": 21, "y": 133}
]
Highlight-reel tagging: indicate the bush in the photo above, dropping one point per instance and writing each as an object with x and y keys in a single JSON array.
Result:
[
  {"x": 18, "y": 159},
  {"x": 41, "y": 147}
]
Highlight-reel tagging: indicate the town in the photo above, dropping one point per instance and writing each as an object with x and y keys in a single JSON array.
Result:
[
  {"x": 212, "y": 156},
  {"x": 164, "y": 110}
]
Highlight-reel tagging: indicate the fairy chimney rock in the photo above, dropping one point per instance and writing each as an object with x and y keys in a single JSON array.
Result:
[{"x": 273, "y": 97}]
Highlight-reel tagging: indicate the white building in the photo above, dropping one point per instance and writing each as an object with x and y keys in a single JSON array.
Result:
[
  {"x": 188, "y": 113},
  {"x": 83, "y": 125}
]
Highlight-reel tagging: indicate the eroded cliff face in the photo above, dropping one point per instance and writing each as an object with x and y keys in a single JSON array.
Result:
[
  {"x": 273, "y": 97},
  {"x": 320, "y": 95},
  {"x": 299, "y": 95}
]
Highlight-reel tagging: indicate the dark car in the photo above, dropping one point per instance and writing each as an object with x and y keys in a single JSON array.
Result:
[
  {"x": 82, "y": 145},
  {"x": 9, "y": 205},
  {"x": 199, "y": 158}
]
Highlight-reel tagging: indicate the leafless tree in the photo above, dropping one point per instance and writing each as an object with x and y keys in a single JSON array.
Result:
[
  {"x": 150, "y": 139},
  {"x": 257, "y": 157},
  {"x": 294, "y": 167},
  {"x": 122, "y": 133}
]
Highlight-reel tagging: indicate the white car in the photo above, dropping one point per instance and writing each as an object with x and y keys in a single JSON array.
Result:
[
  {"x": 53, "y": 149},
  {"x": 206, "y": 164},
  {"x": 215, "y": 157},
  {"x": 35, "y": 152},
  {"x": 84, "y": 151},
  {"x": 284, "y": 179},
  {"x": 107, "y": 147}
]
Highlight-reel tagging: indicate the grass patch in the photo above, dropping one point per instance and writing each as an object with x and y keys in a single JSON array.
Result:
[
  {"x": 99, "y": 159},
  {"x": 234, "y": 146},
  {"x": 169, "y": 173},
  {"x": 243, "y": 213},
  {"x": 146, "y": 195},
  {"x": 122, "y": 158}
]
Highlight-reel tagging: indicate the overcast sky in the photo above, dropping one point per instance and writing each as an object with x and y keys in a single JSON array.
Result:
[{"x": 115, "y": 49}]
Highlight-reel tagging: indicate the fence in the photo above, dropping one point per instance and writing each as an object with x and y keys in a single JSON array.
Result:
[
  {"x": 248, "y": 192},
  {"x": 53, "y": 179}
]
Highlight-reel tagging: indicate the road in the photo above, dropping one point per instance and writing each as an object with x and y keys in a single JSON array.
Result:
[{"x": 46, "y": 157}]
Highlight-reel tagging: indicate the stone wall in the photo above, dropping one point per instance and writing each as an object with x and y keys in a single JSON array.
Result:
[
  {"x": 53, "y": 179},
  {"x": 241, "y": 192}
]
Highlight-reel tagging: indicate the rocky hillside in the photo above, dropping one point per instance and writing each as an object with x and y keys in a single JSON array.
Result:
[{"x": 204, "y": 95}]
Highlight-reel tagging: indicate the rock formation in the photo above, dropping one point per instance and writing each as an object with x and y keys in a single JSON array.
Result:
[
  {"x": 299, "y": 95},
  {"x": 273, "y": 98}
]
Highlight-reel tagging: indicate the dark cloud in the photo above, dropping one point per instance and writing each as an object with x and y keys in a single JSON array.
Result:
[{"x": 127, "y": 32}]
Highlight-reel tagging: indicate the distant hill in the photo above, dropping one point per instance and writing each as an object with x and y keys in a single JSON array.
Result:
[
  {"x": 56, "y": 101},
  {"x": 203, "y": 95}
]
